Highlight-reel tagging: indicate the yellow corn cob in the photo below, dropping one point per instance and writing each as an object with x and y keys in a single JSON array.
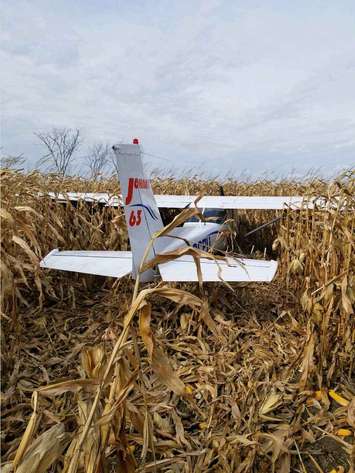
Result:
[
  {"x": 337, "y": 398},
  {"x": 344, "y": 432},
  {"x": 203, "y": 425}
]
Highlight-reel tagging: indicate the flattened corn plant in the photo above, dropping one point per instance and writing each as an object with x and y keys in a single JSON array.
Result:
[{"x": 175, "y": 379}]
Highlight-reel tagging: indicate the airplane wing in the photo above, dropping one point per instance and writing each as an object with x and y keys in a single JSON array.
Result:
[
  {"x": 102, "y": 263},
  {"x": 103, "y": 198},
  {"x": 234, "y": 269},
  {"x": 233, "y": 202},
  {"x": 207, "y": 202}
]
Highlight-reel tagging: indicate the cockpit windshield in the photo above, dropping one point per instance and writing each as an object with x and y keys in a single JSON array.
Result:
[{"x": 213, "y": 216}]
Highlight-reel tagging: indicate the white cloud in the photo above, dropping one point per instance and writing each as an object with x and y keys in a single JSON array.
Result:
[{"x": 263, "y": 86}]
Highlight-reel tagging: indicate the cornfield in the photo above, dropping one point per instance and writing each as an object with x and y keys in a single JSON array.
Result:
[{"x": 100, "y": 376}]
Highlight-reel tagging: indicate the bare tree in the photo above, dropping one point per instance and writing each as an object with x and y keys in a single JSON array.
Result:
[
  {"x": 60, "y": 143},
  {"x": 12, "y": 162},
  {"x": 97, "y": 159}
]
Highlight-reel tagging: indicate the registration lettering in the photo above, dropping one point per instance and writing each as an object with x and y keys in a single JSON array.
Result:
[{"x": 135, "y": 183}]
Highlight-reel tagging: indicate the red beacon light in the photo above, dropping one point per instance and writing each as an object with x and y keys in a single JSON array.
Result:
[{"x": 135, "y": 141}]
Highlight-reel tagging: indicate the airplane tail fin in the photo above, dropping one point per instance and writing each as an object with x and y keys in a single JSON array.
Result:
[{"x": 142, "y": 214}]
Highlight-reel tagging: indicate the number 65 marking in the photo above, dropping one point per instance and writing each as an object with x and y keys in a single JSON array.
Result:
[{"x": 135, "y": 218}]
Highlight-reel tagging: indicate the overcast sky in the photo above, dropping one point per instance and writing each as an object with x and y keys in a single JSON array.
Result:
[{"x": 225, "y": 86}]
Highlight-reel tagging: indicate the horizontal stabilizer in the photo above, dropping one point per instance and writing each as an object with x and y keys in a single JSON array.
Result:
[
  {"x": 232, "y": 270},
  {"x": 102, "y": 263}
]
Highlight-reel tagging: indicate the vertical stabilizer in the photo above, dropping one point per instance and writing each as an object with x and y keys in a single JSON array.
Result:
[{"x": 142, "y": 214}]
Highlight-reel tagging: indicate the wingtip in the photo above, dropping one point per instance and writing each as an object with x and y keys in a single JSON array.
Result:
[{"x": 42, "y": 263}]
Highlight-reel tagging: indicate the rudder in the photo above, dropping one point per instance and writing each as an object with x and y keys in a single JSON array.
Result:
[{"x": 141, "y": 212}]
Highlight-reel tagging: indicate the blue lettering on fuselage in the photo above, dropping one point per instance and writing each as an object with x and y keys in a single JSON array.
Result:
[{"x": 206, "y": 243}]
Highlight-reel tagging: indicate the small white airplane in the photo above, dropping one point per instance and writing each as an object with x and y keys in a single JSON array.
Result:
[{"x": 143, "y": 221}]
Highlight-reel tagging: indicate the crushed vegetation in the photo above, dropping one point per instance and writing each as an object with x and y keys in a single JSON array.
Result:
[{"x": 99, "y": 377}]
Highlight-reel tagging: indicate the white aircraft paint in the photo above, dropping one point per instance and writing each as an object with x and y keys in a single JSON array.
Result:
[
  {"x": 233, "y": 269},
  {"x": 207, "y": 202},
  {"x": 102, "y": 263}
]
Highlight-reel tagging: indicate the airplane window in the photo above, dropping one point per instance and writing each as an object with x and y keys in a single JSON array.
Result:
[{"x": 216, "y": 216}]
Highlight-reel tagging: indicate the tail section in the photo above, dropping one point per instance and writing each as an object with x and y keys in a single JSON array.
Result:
[{"x": 142, "y": 214}]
